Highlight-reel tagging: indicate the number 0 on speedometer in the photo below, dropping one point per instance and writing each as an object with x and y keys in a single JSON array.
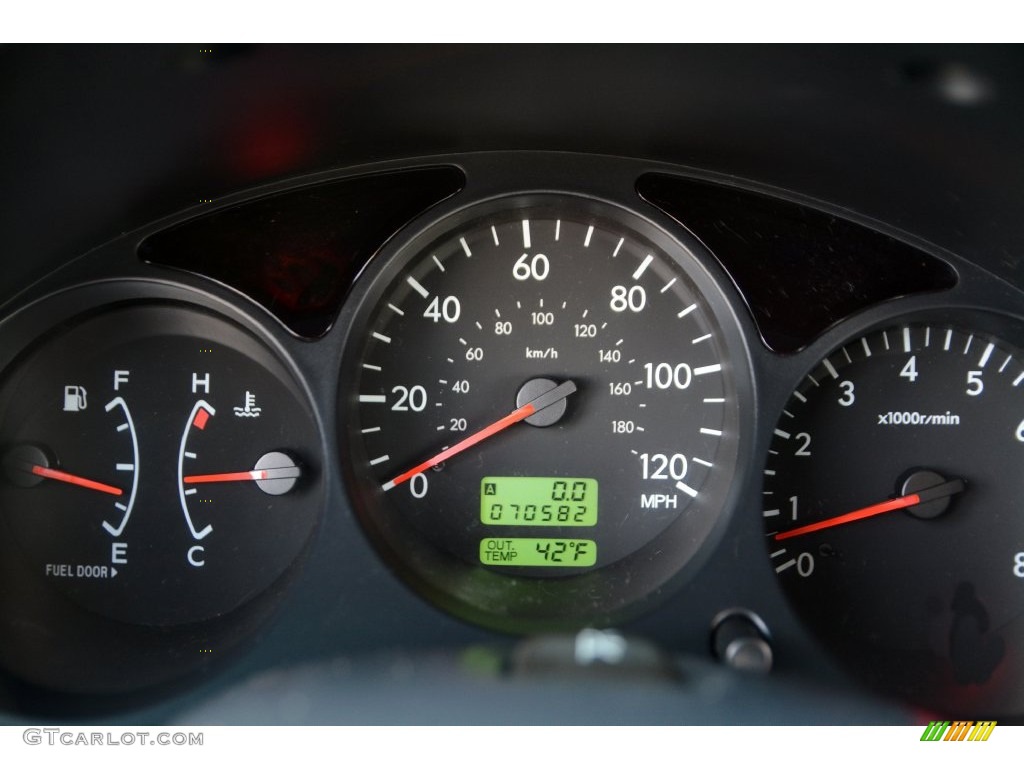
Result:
[{"x": 540, "y": 410}]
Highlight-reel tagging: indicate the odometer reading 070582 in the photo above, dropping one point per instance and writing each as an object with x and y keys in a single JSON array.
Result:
[
  {"x": 570, "y": 501},
  {"x": 504, "y": 365}
]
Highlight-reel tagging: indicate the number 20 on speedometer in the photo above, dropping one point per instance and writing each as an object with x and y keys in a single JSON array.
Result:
[{"x": 540, "y": 397}]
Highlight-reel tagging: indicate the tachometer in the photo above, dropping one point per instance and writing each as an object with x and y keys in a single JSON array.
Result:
[
  {"x": 892, "y": 495},
  {"x": 541, "y": 410}
]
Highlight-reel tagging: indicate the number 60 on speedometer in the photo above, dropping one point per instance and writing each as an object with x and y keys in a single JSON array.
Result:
[{"x": 534, "y": 375}]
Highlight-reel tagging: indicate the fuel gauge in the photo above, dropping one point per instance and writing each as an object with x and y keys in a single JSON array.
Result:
[{"x": 162, "y": 476}]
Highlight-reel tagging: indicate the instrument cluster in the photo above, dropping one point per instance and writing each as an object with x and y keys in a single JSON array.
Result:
[{"x": 534, "y": 392}]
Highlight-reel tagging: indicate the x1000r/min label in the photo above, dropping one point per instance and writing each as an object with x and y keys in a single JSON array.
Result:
[{"x": 918, "y": 419}]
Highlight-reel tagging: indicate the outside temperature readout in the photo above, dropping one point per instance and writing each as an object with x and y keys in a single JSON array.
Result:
[
  {"x": 543, "y": 501},
  {"x": 581, "y": 553}
]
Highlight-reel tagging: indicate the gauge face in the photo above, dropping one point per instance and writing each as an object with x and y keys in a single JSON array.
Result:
[
  {"x": 544, "y": 400},
  {"x": 161, "y": 476},
  {"x": 901, "y": 546}
]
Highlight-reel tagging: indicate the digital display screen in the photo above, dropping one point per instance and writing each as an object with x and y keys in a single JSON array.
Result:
[
  {"x": 569, "y": 501},
  {"x": 578, "y": 553}
]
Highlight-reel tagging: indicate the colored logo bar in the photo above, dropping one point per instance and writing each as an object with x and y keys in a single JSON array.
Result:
[{"x": 958, "y": 730}]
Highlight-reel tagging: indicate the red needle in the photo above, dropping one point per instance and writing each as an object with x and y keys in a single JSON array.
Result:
[
  {"x": 925, "y": 495},
  {"x": 875, "y": 509},
  {"x": 228, "y": 477},
  {"x": 66, "y": 477},
  {"x": 550, "y": 397},
  {"x": 286, "y": 471}
]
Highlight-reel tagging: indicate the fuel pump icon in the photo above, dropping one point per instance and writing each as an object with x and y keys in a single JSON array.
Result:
[{"x": 74, "y": 398}]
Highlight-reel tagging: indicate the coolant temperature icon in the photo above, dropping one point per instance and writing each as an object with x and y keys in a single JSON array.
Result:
[{"x": 250, "y": 410}]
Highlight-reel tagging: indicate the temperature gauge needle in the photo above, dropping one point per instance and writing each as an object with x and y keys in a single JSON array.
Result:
[
  {"x": 67, "y": 477},
  {"x": 279, "y": 473},
  {"x": 271, "y": 466},
  {"x": 909, "y": 500},
  {"x": 275, "y": 474},
  {"x": 525, "y": 411}
]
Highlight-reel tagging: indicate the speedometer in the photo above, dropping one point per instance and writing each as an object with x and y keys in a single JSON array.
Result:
[{"x": 546, "y": 404}]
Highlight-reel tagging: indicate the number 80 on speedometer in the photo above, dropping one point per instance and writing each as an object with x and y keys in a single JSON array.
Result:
[{"x": 514, "y": 363}]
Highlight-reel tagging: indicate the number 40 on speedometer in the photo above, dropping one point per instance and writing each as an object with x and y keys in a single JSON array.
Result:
[{"x": 530, "y": 369}]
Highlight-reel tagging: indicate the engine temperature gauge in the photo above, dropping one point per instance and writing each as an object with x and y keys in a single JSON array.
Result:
[{"x": 162, "y": 476}]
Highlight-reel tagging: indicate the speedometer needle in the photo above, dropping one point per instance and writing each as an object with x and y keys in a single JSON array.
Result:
[
  {"x": 539, "y": 403},
  {"x": 911, "y": 499}
]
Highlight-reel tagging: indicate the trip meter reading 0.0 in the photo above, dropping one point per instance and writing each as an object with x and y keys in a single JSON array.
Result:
[
  {"x": 506, "y": 364},
  {"x": 569, "y": 501}
]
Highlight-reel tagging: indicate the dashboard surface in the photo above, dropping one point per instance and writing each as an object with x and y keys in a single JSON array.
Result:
[{"x": 800, "y": 203}]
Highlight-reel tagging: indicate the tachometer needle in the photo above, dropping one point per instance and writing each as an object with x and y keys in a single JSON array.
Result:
[
  {"x": 539, "y": 403},
  {"x": 67, "y": 477},
  {"x": 911, "y": 499}
]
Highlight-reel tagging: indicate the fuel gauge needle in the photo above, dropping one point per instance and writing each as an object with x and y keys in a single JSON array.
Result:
[
  {"x": 66, "y": 477},
  {"x": 525, "y": 411},
  {"x": 909, "y": 500}
]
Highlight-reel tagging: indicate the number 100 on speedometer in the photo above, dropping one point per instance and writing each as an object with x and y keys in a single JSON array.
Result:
[{"x": 518, "y": 361}]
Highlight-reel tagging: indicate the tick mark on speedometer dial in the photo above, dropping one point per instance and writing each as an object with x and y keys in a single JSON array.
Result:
[{"x": 542, "y": 352}]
